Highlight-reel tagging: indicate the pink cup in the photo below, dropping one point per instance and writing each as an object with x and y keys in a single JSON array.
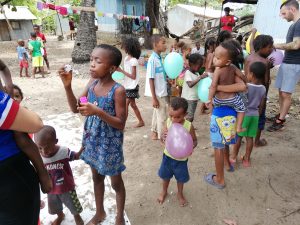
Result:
[{"x": 83, "y": 99}]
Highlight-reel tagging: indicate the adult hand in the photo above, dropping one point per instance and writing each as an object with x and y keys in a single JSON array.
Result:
[
  {"x": 87, "y": 109},
  {"x": 66, "y": 77},
  {"x": 155, "y": 103}
]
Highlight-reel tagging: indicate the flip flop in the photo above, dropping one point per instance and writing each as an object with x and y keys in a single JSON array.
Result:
[
  {"x": 209, "y": 179},
  {"x": 246, "y": 164},
  {"x": 231, "y": 168}
]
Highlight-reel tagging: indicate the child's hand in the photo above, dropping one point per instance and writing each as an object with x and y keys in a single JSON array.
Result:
[
  {"x": 155, "y": 103},
  {"x": 66, "y": 77},
  {"x": 87, "y": 109},
  {"x": 164, "y": 135},
  {"x": 271, "y": 62},
  {"x": 208, "y": 104},
  {"x": 77, "y": 154},
  {"x": 203, "y": 76}
]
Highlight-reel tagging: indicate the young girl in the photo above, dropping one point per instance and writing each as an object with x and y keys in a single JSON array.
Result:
[
  {"x": 225, "y": 74},
  {"x": 18, "y": 94},
  {"x": 133, "y": 50},
  {"x": 103, "y": 130},
  {"x": 186, "y": 50}
]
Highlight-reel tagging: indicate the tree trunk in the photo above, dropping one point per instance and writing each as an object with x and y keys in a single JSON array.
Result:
[
  {"x": 152, "y": 10},
  {"x": 86, "y": 39}
]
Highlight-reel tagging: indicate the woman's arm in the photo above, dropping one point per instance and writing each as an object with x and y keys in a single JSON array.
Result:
[
  {"x": 118, "y": 121},
  {"x": 26, "y": 121}
]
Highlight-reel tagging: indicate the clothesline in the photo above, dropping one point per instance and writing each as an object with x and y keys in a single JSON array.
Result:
[{"x": 69, "y": 10}]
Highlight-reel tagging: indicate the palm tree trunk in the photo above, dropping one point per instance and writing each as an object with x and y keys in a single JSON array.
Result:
[{"x": 86, "y": 39}]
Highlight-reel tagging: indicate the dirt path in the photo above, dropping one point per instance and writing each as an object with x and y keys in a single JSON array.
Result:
[{"x": 266, "y": 194}]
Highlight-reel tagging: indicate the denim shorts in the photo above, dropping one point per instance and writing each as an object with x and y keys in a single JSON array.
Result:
[
  {"x": 170, "y": 167},
  {"x": 287, "y": 77}
]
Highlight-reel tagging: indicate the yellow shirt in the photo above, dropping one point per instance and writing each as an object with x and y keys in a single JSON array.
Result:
[{"x": 187, "y": 125}]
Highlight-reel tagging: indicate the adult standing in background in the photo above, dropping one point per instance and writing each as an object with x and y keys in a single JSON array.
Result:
[
  {"x": 40, "y": 35},
  {"x": 227, "y": 21},
  {"x": 289, "y": 72}
]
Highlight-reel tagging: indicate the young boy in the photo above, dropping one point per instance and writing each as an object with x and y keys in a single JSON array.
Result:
[
  {"x": 35, "y": 51},
  {"x": 263, "y": 47},
  {"x": 23, "y": 57},
  {"x": 156, "y": 85},
  {"x": 56, "y": 160},
  {"x": 256, "y": 101},
  {"x": 191, "y": 79},
  {"x": 170, "y": 166}
]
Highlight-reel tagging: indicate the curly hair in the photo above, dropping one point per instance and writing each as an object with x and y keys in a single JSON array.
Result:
[
  {"x": 132, "y": 47},
  {"x": 195, "y": 58},
  {"x": 116, "y": 55},
  {"x": 223, "y": 36},
  {"x": 262, "y": 41},
  {"x": 259, "y": 70},
  {"x": 211, "y": 41},
  {"x": 179, "y": 103},
  {"x": 235, "y": 52}
]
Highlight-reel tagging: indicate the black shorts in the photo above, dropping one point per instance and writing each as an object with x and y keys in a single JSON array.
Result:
[
  {"x": 19, "y": 192},
  {"x": 133, "y": 93}
]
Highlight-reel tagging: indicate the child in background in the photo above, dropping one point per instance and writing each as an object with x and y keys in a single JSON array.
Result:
[
  {"x": 23, "y": 57},
  {"x": 186, "y": 51},
  {"x": 18, "y": 94},
  {"x": 256, "y": 99},
  {"x": 263, "y": 47},
  {"x": 174, "y": 46},
  {"x": 156, "y": 85},
  {"x": 198, "y": 49},
  {"x": 175, "y": 167},
  {"x": 56, "y": 159},
  {"x": 191, "y": 79},
  {"x": 225, "y": 74},
  {"x": 131, "y": 81},
  {"x": 35, "y": 47},
  {"x": 103, "y": 130}
]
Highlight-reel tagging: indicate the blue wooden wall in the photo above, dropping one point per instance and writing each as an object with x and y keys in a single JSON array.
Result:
[{"x": 115, "y": 6}]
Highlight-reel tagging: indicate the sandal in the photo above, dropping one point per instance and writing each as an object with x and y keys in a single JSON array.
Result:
[
  {"x": 246, "y": 164},
  {"x": 274, "y": 118},
  {"x": 277, "y": 126},
  {"x": 209, "y": 179}
]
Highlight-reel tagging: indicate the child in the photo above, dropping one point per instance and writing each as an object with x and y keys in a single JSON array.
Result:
[
  {"x": 174, "y": 46},
  {"x": 198, "y": 49},
  {"x": 56, "y": 160},
  {"x": 133, "y": 50},
  {"x": 263, "y": 47},
  {"x": 256, "y": 99},
  {"x": 226, "y": 74},
  {"x": 156, "y": 85},
  {"x": 191, "y": 79},
  {"x": 175, "y": 167},
  {"x": 186, "y": 50},
  {"x": 210, "y": 46},
  {"x": 103, "y": 130},
  {"x": 18, "y": 94},
  {"x": 35, "y": 51},
  {"x": 23, "y": 57}
]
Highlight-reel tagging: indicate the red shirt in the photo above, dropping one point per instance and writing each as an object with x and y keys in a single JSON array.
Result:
[
  {"x": 225, "y": 20},
  {"x": 42, "y": 36},
  {"x": 60, "y": 171}
]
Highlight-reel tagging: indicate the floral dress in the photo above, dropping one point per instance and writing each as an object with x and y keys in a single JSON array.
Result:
[{"x": 103, "y": 143}]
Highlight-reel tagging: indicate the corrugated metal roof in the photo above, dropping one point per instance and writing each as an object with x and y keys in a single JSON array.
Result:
[
  {"x": 22, "y": 13},
  {"x": 201, "y": 11}
]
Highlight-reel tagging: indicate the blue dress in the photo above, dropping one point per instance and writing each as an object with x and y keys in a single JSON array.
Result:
[{"x": 103, "y": 143}]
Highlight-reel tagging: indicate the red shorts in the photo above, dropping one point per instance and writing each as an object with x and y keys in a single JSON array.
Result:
[{"x": 24, "y": 64}]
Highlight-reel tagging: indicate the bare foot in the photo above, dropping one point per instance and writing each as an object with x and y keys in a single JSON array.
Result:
[
  {"x": 261, "y": 143},
  {"x": 161, "y": 198},
  {"x": 59, "y": 219},
  {"x": 45, "y": 181},
  {"x": 154, "y": 136},
  {"x": 97, "y": 219},
  {"x": 120, "y": 220},
  {"x": 78, "y": 220},
  {"x": 139, "y": 124},
  {"x": 182, "y": 200}
]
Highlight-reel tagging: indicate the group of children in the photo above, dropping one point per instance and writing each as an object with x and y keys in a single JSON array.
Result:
[
  {"x": 107, "y": 110},
  {"x": 37, "y": 53}
]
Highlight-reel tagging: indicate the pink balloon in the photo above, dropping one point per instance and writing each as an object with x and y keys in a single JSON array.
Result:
[
  {"x": 277, "y": 55},
  {"x": 179, "y": 142}
]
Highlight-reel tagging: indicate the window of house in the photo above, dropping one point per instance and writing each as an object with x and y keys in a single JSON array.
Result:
[{"x": 15, "y": 25}]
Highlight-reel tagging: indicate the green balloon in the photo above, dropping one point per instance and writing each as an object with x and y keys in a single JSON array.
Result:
[{"x": 117, "y": 76}]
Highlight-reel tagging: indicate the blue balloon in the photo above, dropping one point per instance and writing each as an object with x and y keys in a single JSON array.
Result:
[
  {"x": 203, "y": 89},
  {"x": 173, "y": 65},
  {"x": 117, "y": 76}
]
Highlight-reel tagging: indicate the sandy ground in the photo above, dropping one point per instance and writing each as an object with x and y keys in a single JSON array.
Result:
[{"x": 266, "y": 194}]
